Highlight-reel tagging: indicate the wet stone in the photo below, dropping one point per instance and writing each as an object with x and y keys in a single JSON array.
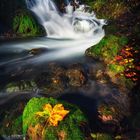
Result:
[
  {"x": 76, "y": 77},
  {"x": 52, "y": 80},
  {"x": 20, "y": 86},
  {"x": 38, "y": 51}
]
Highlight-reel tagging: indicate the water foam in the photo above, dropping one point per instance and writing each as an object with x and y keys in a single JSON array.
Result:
[
  {"x": 76, "y": 29},
  {"x": 78, "y": 23}
]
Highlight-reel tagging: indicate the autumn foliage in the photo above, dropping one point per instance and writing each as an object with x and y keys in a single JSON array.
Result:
[
  {"x": 52, "y": 115},
  {"x": 129, "y": 60},
  {"x": 48, "y": 118}
]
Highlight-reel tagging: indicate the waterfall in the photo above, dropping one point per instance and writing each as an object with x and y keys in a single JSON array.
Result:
[
  {"x": 77, "y": 23},
  {"x": 69, "y": 34}
]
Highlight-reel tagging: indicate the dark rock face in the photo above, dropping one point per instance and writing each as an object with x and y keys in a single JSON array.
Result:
[
  {"x": 16, "y": 21},
  {"x": 56, "y": 78},
  {"x": 52, "y": 80},
  {"x": 8, "y": 9},
  {"x": 76, "y": 77}
]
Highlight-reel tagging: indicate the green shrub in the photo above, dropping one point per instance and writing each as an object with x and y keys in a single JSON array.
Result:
[{"x": 116, "y": 68}]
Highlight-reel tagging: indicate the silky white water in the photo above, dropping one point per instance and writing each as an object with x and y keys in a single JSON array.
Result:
[
  {"x": 77, "y": 23},
  {"x": 67, "y": 34}
]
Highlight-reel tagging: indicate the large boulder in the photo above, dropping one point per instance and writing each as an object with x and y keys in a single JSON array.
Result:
[
  {"x": 47, "y": 118},
  {"x": 76, "y": 75},
  {"x": 108, "y": 48}
]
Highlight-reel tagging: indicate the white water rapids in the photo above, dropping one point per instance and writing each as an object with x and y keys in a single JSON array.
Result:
[
  {"x": 68, "y": 34},
  {"x": 72, "y": 24}
]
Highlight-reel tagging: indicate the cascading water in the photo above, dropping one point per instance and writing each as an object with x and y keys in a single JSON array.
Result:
[
  {"x": 69, "y": 34},
  {"x": 77, "y": 23}
]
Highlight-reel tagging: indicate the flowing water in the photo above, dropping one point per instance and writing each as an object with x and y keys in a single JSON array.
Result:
[
  {"x": 74, "y": 24},
  {"x": 68, "y": 34}
]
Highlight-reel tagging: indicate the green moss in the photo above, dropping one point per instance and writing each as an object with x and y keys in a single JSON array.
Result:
[
  {"x": 116, "y": 68},
  {"x": 108, "y": 10},
  {"x": 107, "y": 50},
  {"x": 108, "y": 47},
  {"x": 25, "y": 25},
  {"x": 123, "y": 40},
  {"x": 70, "y": 125},
  {"x": 33, "y": 106}
]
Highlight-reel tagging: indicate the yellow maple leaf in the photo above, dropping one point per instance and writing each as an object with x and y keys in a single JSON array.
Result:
[
  {"x": 53, "y": 115},
  {"x": 48, "y": 108}
]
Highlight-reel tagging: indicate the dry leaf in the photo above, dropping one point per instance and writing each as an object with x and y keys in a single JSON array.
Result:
[{"x": 53, "y": 115}]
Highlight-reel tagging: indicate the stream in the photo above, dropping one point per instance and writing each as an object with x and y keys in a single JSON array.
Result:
[
  {"x": 44, "y": 60},
  {"x": 80, "y": 80}
]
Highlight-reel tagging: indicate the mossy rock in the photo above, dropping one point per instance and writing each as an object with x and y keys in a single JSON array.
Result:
[
  {"x": 24, "y": 24},
  {"x": 67, "y": 129},
  {"x": 114, "y": 71},
  {"x": 108, "y": 10},
  {"x": 116, "y": 68},
  {"x": 112, "y": 9},
  {"x": 108, "y": 48},
  {"x": 20, "y": 86},
  {"x": 108, "y": 111},
  {"x": 101, "y": 136}
]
